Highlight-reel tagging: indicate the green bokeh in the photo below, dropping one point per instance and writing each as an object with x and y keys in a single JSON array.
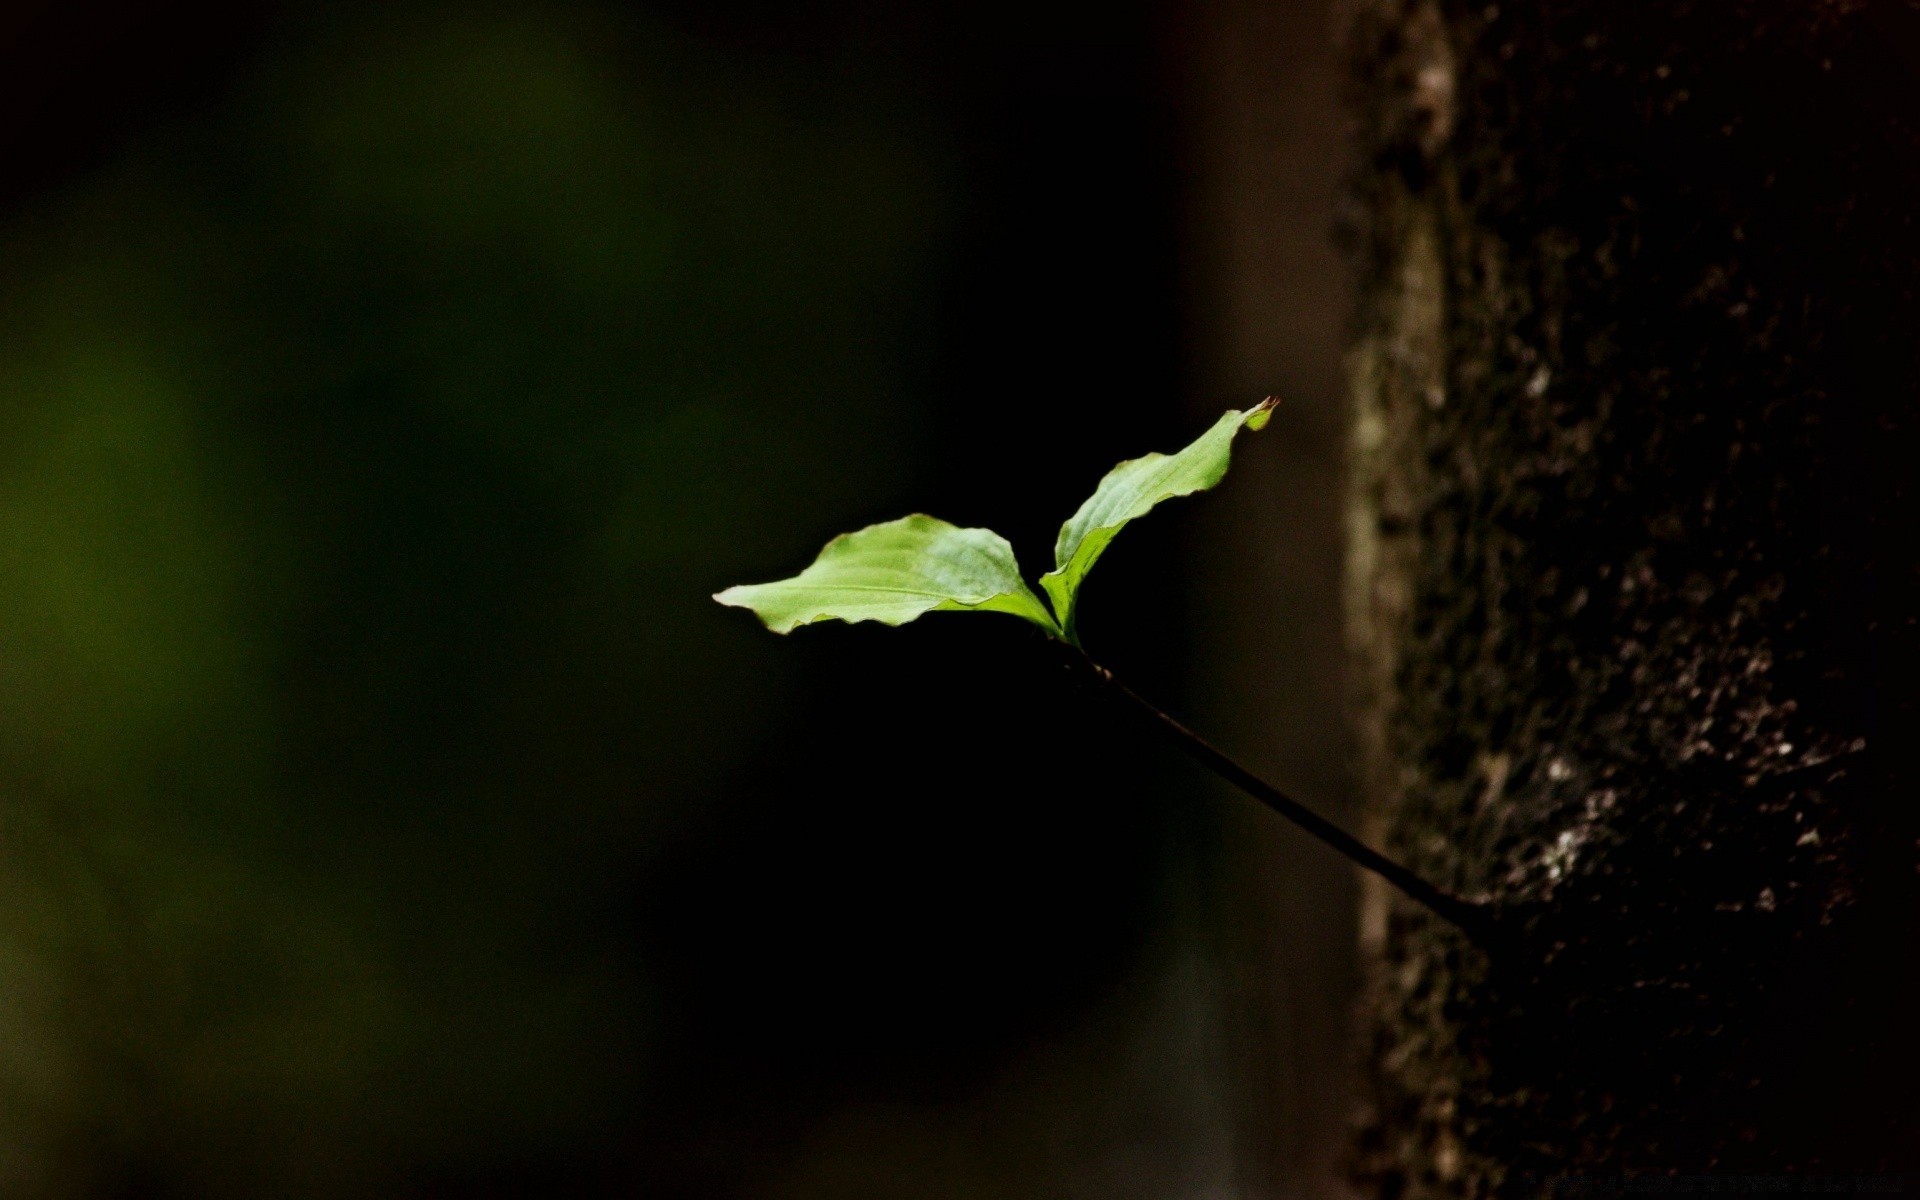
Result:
[{"x": 373, "y": 441}]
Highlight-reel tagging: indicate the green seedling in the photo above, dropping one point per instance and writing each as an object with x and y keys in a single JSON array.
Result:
[{"x": 898, "y": 571}]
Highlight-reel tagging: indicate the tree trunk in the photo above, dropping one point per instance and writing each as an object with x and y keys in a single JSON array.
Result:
[{"x": 1631, "y": 586}]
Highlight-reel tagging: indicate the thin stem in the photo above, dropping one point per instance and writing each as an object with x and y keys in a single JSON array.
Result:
[{"x": 1476, "y": 920}]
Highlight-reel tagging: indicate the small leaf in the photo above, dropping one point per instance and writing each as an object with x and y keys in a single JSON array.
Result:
[
  {"x": 894, "y": 572},
  {"x": 1129, "y": 491}
]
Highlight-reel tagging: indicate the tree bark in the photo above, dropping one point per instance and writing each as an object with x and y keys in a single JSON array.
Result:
[{"x": 1631, "y": 584}]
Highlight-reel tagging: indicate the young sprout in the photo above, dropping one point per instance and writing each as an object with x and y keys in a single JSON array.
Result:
[{"x": 898, "y": 571}]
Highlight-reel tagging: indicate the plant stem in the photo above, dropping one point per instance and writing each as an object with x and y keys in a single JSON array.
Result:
[{"x": 1475, "y": 920}]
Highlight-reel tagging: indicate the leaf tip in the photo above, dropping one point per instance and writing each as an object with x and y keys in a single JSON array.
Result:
[
  {"x": 1259, "y": 414},
  {"x": 743, "y": 596}
]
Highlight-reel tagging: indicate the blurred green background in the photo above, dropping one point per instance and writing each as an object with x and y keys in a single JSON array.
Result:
[{"x": 385, "y": 810}]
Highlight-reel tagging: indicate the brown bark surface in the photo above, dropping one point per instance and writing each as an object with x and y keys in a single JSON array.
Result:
[{"x": 1633, "y": 587}]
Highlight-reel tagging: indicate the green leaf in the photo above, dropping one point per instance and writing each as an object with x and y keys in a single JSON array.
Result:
[
  {"x": 894, "y": 572},
  {"x": 1129, "y": 491}
]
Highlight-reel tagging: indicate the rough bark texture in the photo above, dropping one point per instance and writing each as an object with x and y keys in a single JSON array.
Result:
[{"x": 1632, "y": 584}]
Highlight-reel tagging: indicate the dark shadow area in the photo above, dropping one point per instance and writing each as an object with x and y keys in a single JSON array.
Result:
[{"x": 388, "y": 811}]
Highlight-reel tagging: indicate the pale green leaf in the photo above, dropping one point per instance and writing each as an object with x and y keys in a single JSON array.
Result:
[
  {"x": 894, "y": 572},
  {"x": 1129, "y": 491}
]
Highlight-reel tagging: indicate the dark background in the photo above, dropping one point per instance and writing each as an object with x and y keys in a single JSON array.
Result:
[{"x": 386, "y": 809}]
